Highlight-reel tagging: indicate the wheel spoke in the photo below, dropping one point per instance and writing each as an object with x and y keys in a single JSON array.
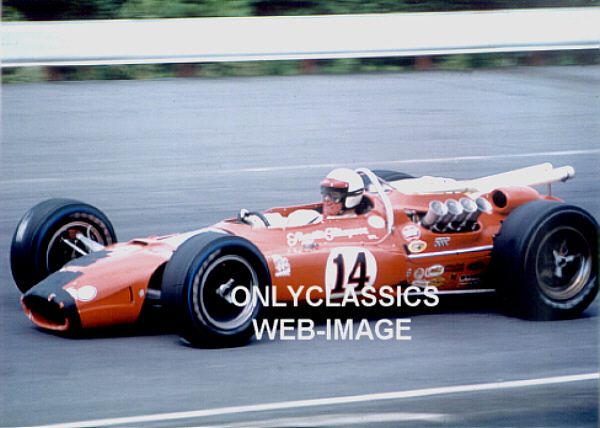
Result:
[
  {"x": 564, "y": 263},
  {"x": 213, "y": 288},
  {"x": 70, "y": 242},
  {"x": 73, "y": 246},
  {"x": 224, "y": 290},
  {"x": 89, "y": 243}
]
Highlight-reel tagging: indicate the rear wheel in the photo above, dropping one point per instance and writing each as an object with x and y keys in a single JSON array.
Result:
[
  {"x": 545, "y": 260},
  {"x": 51, "y": 234},
  {"x": 208, "y": 288}
]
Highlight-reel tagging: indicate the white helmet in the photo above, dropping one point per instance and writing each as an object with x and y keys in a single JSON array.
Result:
[{"x": 345, "y": 185}]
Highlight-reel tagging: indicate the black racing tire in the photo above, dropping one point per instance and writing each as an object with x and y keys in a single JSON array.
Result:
[
  {"x": 389, "y": 175},
  {"x": 37, "y": 250},
  {"x": 545, "y": 261},
  {"x": 201, "y": 273}
]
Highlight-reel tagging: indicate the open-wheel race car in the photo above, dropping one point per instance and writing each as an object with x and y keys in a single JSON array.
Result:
[{"x": 491, "y": 234}]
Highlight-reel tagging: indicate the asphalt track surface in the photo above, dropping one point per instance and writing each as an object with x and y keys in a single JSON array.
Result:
[{"x": 173, "y": 155}]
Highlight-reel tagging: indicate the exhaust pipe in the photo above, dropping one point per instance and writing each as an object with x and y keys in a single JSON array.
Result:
[
  {"x": 481, "y": 205},
  {"x": 447, "y": 213},
  {"x": 437, "y": 211},
  {"x": 469, "y": 209},
  {"x": 455, "y": 214}
]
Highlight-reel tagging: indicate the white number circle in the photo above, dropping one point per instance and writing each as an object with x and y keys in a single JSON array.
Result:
[{"x": 349, "y": 267}]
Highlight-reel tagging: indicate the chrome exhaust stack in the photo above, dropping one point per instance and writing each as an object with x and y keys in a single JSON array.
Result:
[
  {"x": 469, "y": 209},
  {"x": 480, "y": 205},
  {"x": 483, "y": 205},
  {"x": 455, "y": 214},
  {"x": 436, "y": 212},
  {"x": 471, "y": 213}
]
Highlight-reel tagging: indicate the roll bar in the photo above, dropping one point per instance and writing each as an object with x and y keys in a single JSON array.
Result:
[{"x": 389, "y": 211}]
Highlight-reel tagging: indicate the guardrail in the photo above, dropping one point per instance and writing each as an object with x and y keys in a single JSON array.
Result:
[{"x": 287, "y": 38}]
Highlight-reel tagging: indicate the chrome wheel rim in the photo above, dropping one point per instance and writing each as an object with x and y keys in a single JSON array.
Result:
[
  {"x": 563, "y": 263},
  {"x": 214, "y": 288},
  {"x": 64, "y": 245}
]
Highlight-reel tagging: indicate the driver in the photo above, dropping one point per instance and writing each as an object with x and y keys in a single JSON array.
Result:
[{"x": 342, "y": 192}]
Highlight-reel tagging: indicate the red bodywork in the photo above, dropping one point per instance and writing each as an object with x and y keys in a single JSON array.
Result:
[{"x": 112, "y": 286}]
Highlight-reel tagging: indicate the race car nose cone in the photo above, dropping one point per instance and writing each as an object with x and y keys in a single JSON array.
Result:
[{"x": 49, "y": 306}]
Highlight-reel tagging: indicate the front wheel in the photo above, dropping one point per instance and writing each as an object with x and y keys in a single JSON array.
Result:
[
  {"x": 51, "y": 234},
  {"x": 546, "y": 260},
  {"x": 209, "y": 287}
]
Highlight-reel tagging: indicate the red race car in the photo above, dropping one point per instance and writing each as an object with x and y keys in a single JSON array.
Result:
[{"x": 373, "y": 231}]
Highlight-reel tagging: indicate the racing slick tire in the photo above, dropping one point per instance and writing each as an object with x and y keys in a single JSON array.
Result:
[
  {"x": 545, "y": 261},
  {"x": 389, "y": 175},
  {"x": 199, "y": 289},
  {"x": 40, "y": 244}
]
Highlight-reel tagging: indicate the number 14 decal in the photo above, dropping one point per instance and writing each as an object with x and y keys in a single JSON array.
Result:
[{"x": 349, "y": 267}]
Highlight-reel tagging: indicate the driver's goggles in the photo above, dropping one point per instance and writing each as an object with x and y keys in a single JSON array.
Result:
[{"x": 332, "y": 195}]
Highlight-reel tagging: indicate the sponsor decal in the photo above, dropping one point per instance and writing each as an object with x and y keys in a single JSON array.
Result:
[
  {"x": 437, "y": 282},
  {"x": 282, "y": 266},
  {"x": 308, "y": 246},
  {"x": 411, "y": 232},
  {"x": 86, "y": 293},
  {"x": 376, "y": 222},
  {"x": 469, "y": 279},
  {"x": 417, "y": 246},
  {"x": 441, "y": 241},
  {"x": 329, "y": 234},
  {"x": 455, "y": 267},
  {"x": 433, "y": 271},
  {"x": 421, "y": 283},
  {"x": 419, "y": 273}
]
